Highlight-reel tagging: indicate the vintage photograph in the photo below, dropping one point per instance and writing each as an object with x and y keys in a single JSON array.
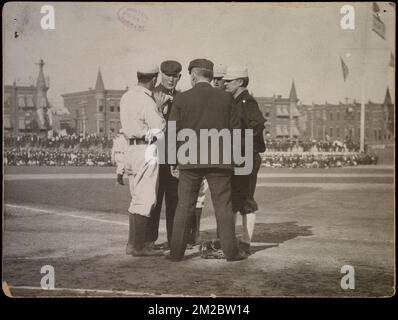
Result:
[{"x": 198, "y": 150}]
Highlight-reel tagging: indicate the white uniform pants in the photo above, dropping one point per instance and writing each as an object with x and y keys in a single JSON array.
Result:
[
  {"x": 143, "y": 178},
  {"x": 120, "y": 161}
]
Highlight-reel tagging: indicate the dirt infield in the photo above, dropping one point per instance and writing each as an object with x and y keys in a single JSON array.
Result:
[{"x": 304, "y": 235}]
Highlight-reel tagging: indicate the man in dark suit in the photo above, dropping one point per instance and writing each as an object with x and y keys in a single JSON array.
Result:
[
  {"x": 170, "y": 75},
  {"x": 204, "y": 107}
]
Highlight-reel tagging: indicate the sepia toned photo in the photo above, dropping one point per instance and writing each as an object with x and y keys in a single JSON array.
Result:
[{"x": 198, "y": 150}]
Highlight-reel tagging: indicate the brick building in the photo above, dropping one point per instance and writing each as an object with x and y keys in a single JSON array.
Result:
[
  {"x": 26, "y": 108},
  {"x": 93, "y": 111},
  {"x": 287, "y": 118},
  {"x": 342, "y": 121},
  {"x": 282, "y": 115}
]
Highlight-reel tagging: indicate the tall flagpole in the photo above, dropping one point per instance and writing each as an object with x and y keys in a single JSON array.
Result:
[{"x": 363, "y": 82}]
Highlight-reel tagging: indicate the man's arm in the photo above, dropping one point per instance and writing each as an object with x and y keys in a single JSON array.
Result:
[
  {"x": 155, "y": 121},
  {"x": 235, "y": 115},
  {"x": 253, "y": 117}
]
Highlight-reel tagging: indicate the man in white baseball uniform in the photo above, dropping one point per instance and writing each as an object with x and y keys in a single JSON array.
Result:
[
  {"x": 117, "y": 156},
  {"x": 142, "y": 124}
]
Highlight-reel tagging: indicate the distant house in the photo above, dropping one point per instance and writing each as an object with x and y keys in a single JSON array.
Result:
[
  {"x": 282, "y": 114},
  {"x": 93, "y": 111}
]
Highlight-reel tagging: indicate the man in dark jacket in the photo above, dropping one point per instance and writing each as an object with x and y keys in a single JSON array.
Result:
[
  {"x": 204, "y": 107},
  {"x": 170, "y": 75},
  {"x": 244, "y": 186}
]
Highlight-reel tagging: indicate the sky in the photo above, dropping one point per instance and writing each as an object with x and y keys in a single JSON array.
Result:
[{"x": 278, "y": 43}]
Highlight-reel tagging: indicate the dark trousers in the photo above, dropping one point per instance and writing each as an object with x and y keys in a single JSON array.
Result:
[
  {"x": 168, "y": 189},
  {"x": 243, "y": 189},
  {"x": 188, "y": 189}
]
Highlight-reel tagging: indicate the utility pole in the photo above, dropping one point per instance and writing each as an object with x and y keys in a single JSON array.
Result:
[
  {"x": 312, "y": 121},
  {"x": 363, "y": 80}
]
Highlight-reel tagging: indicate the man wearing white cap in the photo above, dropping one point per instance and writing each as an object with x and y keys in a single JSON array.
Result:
[
  {"x": 142, "y": 124},
  {"x": 243, "y": 187},
  {"x": 117, "y": 156}
]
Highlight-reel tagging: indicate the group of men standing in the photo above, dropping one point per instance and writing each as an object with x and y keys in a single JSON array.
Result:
[{"x": 145, "y": 111}]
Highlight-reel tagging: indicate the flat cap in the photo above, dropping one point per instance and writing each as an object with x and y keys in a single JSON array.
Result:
[
  {"x": 219, "y": 71},
  {"x": 201, "y": 63},
  {"x": 170, "y": 67},
  {"x": 148, "y": 68},
  {"x": 236, "y": 72}
]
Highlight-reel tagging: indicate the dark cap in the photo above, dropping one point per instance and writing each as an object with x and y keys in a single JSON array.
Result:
[
  {"x": 170, "y": 67},
  {"x": 201, "y": 63}
]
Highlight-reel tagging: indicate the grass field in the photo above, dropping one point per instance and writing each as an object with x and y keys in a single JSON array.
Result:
[{"x": 310, "y": 223}]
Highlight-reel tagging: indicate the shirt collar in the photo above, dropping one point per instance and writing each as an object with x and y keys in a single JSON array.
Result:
[
  {"x": 202, "y": 83},
  {"x": 142, "y": 89},
  {"x": 238, "y": 93}
]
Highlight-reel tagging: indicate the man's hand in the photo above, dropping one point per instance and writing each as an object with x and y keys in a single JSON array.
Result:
[
  {"x": 160, "y": 98},
  {"x": 175, "y": 172}
]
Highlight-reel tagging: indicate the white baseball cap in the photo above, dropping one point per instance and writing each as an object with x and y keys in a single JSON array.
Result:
[
  {"x": 236, "y": 72},
  {"x": 148, "y": 68},
  {"x": 219, "y": 71}
]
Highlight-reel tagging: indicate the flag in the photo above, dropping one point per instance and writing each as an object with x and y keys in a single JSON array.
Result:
[
  {"x": 344, "y": 68},
  {"x": 392, "y": 60}
]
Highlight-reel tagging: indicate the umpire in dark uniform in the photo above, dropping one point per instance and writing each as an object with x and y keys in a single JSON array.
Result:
[
  {"x": 168, "y": 184},
  {"x": 243, "y": 186},
  {"x": 204, "y": 107}
]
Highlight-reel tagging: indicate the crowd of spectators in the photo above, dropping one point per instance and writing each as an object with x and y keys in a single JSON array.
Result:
[
  {"x": 95, "y": 150},
  {"x": 320, "y": 160},
  {"x": 66, "y": 150},
  {"x": 70, "y": 141},
  {"x": 57, "y": 158},
  {"x": 311, "y": 145}
]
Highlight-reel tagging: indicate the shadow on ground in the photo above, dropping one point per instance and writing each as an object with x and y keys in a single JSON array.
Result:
[{"x": 271, "y": 233}]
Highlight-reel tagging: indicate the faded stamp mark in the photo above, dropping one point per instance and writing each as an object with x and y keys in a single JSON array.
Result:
[{"x": 133, "y": 18}]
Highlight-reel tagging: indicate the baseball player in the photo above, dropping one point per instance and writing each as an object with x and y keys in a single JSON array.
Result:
[
  {"x": 142, "y": 124},
  {"x": 117, "y": 156}
]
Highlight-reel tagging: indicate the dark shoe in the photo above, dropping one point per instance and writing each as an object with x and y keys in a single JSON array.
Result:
[
  {"x": 240, "y": 256},
  {"x": 168, "y": 256},
  {"x": 147, "y": 252}
]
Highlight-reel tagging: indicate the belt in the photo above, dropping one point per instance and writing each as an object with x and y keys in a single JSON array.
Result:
[{"x": 137, "y": 141}]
